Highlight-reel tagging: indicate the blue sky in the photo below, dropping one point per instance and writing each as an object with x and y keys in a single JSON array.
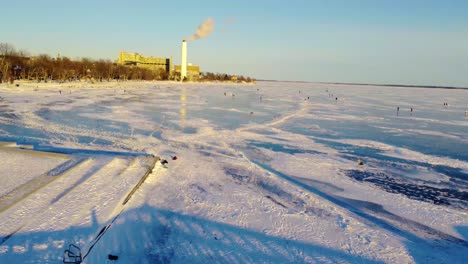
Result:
[{"x": 366, "y": 41}]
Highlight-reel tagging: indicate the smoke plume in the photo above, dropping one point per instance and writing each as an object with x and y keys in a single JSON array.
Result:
[{"x": 203, "y": 31}]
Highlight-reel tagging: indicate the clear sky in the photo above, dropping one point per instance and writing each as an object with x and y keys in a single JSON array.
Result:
[{"x": 365, "y": 41}]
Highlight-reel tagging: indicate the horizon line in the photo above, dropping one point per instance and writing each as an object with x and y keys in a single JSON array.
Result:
[{"x": 373, "y": 84}]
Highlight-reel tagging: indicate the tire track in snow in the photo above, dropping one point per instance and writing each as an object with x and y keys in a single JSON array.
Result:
[{"x": 305, "y": 106}]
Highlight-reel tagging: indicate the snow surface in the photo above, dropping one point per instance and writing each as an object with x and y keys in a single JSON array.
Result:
[
  {"x": 17, "y": 164},
  {"x": 265, "y": 173}
]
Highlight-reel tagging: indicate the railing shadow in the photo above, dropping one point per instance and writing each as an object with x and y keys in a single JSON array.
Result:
[{"x": 152, "y": 235}]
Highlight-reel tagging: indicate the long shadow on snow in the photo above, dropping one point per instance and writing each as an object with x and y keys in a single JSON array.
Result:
[
  {"x": 89, "y": 151},
  {"x": 45, "y": 148},
  {"x": 153, "y": 235},
  {"x": 414, "y": 243},
  {"x": 463, "y": 231},
  {"x": 390, "y": 182},
  {"x": 24, "y": 135},
  {"x": 395, "y": 184},
  {"x": 452, "y": 197},
  {"x": 82, "y": 179},
  {"x": 25, "y": 189}
]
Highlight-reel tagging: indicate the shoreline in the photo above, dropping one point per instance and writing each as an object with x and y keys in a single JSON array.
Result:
[{"x": 108, "y": 84}]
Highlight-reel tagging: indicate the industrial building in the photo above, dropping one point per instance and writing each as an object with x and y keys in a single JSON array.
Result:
[
  {"x": 145, "y": 62},
  {"x": 185, "y": 70},
  {"x": 192, "y": 71}
]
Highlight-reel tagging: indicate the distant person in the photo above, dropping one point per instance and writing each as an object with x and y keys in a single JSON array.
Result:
[
  {"x": 411, "y": 109},
  {"x": 60, "y": 91},
  {"x": 466, "y": 113},
  {"x": 336, "y": 99}
]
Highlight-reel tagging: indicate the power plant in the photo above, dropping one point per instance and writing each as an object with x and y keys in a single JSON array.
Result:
[{"x": 186, "y": 70}]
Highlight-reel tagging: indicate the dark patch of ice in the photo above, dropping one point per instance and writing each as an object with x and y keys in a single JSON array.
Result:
[{"x": 441, "y": 196}]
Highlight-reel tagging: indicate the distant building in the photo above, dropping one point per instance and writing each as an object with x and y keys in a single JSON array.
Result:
[
  {"x": 146, "y": 62},
  {"x": 193, "y": 71}
]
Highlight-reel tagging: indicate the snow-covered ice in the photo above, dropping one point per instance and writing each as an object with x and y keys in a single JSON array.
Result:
[{"x": 265, "y": 173}]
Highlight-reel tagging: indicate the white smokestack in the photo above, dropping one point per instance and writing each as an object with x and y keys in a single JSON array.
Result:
[
  {"x": 203, "y": 31},
  {"x": 183, "y": 64}
]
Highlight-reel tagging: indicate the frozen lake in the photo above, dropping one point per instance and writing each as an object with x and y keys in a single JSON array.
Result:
[{"x": 413, "y": 183}]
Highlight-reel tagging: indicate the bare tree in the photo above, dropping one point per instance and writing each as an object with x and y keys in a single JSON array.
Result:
[{"x": 6, "y": 51}]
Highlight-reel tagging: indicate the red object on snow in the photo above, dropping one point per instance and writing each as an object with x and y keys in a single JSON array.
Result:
[{"x": 174, "y": 158}]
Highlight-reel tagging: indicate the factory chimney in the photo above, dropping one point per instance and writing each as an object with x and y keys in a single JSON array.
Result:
[
  {"x": 183, "y": 64},
  {"x": 203, "y": 31}
]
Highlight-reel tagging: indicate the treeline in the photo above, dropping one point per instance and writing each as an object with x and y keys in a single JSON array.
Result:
[
  {"x": 16, "y": 65},
  {"x": 209, "y": 76}
]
